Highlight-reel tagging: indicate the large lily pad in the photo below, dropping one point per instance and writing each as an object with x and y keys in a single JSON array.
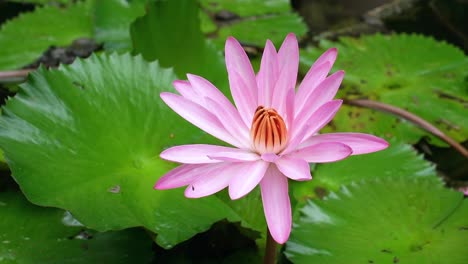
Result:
[
  {"x": 24, "y": 38},
  {"x": 170, "y": 32},
  {"x": 112, "y": 20},
  {"x": 87, "y": 138},
  {"x": 247, "y": 7},
  {"x": 394, "y": 220},
  {"x": 398, "y": 160},
  {"x": 254, "y": 21},
  {"x": 254, "y": 31},
  {"x": 33, "y": 234},
  {"x": 416, "y": 73}
]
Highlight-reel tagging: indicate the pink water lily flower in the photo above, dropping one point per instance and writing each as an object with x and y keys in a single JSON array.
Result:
[{"x": 273, "y": 129}]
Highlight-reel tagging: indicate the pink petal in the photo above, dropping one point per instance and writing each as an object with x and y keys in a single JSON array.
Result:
[
  {"x": 328, "y": 56},
  {"x": 309, "y": 84},
  {"x": 295, "y": 140},
  {"x": 267, "y": 75},
  {"x": 269, "y": 157},
  {"x": 247, "y": 176},
  {"x": 322, "y": 117},
  {"x": 231, "y": 120},
  {"x": 235, "y": 155},
  {"x": 209, "y": 182},
  {"x": 244, "y": 102},
  {"x": 185, "y": 89},
  {"x": 358, "y": 142},
  {"x": 206, "y": 89},
  {"x": 241, "y": 79},
  {"x": 315, "y": 75},
  {"x": 193, "y": 154},
  {"x": 323, "y": 152},
  {"x": 198, "y": 116},
  {"x": 181, "y": 176},
  {"x": 290, "y": 97},
  {"x": 276, "y": 204},
  {"x": 304, "y": 117},
  {"x": 288, "y": 62},
  {"x": 325, "y": 92},
  {"x": 294, "y": 168},
  {"x": 288, "y": 59}
]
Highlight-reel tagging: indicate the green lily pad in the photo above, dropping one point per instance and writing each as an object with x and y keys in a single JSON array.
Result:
[
  {"x": 24, "y": 38},
  {"x": 206, "y": 24},
  {"x": 398, "y": 160},
  {"x": 258, "y": 21},
  {"x": 42, "y": 2},
  {"x": 87, "y": 138},
  {"x": 170, "y": 32},
  {"x": 112, "y": 20},
  {"x": 33, "y": 234},
  {"x": 257, "y": 30},
  {"x": 416, "y": 73},
  {"x": 393, "y": 220},
  {"x": 247, "y": 7}
]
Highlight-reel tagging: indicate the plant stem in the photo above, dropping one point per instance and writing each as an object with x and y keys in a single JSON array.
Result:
[
  {"x": 412, "y": 118},
  {"x": 270, "y": 250},
  {"x": 12, "y": 76}
]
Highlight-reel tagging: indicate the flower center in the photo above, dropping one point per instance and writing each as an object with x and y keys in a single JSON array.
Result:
[{"x": 268, "y": 132}]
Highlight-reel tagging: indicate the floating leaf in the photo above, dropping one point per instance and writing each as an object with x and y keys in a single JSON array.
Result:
[
  {"x": 256, "y": 31},
  {"x": 257, "y": 21},
  {"x": 170, "y": 32},
  {"x": 25, "y": 38},
  {"x": 393, "y": 220},
  {"x": 206, "y": 24},
  {"x": 33, "y": 234},
  {"x": 398, "y": 160},
  {"x": 42, "y": 2},
  {"x": 413, "y": 72},
  {"x": 247, "y": 7},
  {"x": 87, "y": 138},
  {"x": 112, "y": 19}
]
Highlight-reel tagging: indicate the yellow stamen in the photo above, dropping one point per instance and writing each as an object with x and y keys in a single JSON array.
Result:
[{"x": 268, "y": 132}]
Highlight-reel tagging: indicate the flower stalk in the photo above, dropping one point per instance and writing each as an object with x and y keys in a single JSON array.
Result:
[{"x": 270, "y": 249}]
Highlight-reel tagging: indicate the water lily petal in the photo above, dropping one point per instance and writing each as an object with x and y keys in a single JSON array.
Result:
[
  {"x": 246, "y": 176},
  {"x": 206, "y": 89},
  {"x": 288, "y": 62},
  {"x": 194, "y": 154},
  {"x": 241, "y": 79},
  {"x": 325, "y": 92},
  {"x": 182, "y": 176},
  {"x": 269, "y": 157},
  {"x": 304, "y": 118},
  {"x": 231, "y": 120},
  {"x": 322, "y": 117},
  {"x": 328, "y": 56},
  {"x": 323, "y": 152},
  {"x": 308, "y": 86},
  {"x": 294, "y": 168},
  {"x": 199, "y": 116},
  {"x": 209, "y": 182},
  {"x": 267, "y": 75},
  {"x": 245, "y": 105},
  {"x": 186, "y": 90},
  {"x": 276, "y": 204},
  {"x": 315, "y": 75},
  {"x": 235, "y": 155},
  {"x": 360, "y": 143}
]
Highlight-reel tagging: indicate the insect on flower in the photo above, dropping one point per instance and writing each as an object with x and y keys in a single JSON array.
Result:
[{"x": 273, "y": 129}]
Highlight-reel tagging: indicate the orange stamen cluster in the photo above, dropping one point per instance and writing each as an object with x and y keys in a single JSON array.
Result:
[{"x": 268, "y": 132}]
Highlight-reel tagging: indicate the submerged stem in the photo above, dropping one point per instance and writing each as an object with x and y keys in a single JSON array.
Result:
[
  {"x": 412, "y": 118},
  {"x": 14, "y": 76},
  {"x": 270, "y": 250}
]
